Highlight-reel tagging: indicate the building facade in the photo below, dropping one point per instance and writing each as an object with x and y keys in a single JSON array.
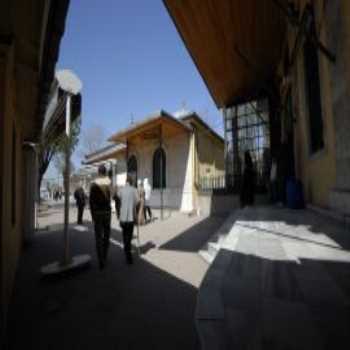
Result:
[
  {"x": 295, "y": 55},
  {"x": 317, "y": 81},
  {"x": 176, "y": 155},
  {"x": 30, "y": 34}
]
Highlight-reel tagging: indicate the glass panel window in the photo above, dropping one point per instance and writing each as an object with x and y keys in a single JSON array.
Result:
[
  {"x": 132, "y": 169},
  {"x": 312, "y": 89},
  {"x": 159, "y": 168}
]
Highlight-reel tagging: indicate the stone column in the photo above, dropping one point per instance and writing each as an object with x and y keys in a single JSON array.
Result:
[
  {"x": 30, "y": 184},
  {"x": 339, "y": 42}
]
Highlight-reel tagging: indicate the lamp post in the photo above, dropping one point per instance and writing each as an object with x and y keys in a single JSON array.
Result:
[
  {"x": 66, "y": 179},
  {"x": 71, "y": 85}
]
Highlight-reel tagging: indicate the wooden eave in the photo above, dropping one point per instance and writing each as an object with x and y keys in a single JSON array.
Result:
[
  {"x": 54, "y": 31},
  {"x": 236, "y": 45},
  {"x": 34, "y": 30},
  {"x": 196, "y": 118},
  {"x": 149, "y": 129}
]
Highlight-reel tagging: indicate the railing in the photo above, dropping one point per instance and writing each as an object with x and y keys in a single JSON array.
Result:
[{"x": 209, "y": 183}]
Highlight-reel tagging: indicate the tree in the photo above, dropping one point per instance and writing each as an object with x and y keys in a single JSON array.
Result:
[
  {"x": 48, "y": 148},
  {"x": 92, "y": 140},
  {"x": 59, "y": 160}
]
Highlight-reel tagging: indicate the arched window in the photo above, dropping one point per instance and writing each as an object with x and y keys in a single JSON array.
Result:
[
  {"x": 132, "y": 169},
  {"x": 159, "y": 168}
]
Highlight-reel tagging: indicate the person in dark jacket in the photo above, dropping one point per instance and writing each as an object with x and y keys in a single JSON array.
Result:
[
  {"x": 248, "y": 181},
  {"x": 283, "y": 171},
  {"x": 100, "y": 206},
  {"x": 80, "y": 200}
]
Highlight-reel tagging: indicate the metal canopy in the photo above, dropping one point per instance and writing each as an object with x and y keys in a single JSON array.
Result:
[
  {"x": 55, "y": 117},
  {"x": 105, "y": 154},
  {"x": 236, "y": 45}
]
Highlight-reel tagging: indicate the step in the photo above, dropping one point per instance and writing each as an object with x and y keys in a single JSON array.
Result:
[
  {"x": 213, "y": 248},
  {"x": 217, "y": 240},
  {"x": 206, "y": 256}
]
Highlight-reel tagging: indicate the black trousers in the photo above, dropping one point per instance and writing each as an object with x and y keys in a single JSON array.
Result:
[
  {"x": 80, "y": 213},
  {"x": 102, "y": 222},
  {"x": 146, "y": 209},
  {"x": 128, "y": 230}
]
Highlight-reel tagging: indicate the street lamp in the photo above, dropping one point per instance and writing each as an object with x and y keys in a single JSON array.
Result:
[{"x": 71, "y": 86}]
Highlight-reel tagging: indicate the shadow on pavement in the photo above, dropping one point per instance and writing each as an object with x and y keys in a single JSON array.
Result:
[
  {"x": 120, "y": 307},
  {"x": 193, "y": 239},
  {"x": 278, "y": 304}
]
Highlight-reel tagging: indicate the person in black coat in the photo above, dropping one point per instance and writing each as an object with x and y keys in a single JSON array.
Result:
[
  {"x": 80, "y": 200},
  {"x": 117, "y": 202},
  {"x": 248, "y": 182},
  {"x": 100, "y": 207}
]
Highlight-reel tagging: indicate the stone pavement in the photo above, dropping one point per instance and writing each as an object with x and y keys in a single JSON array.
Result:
[
  {"x": 281, "y": 280},
  {"x": 148, "y": 305}
]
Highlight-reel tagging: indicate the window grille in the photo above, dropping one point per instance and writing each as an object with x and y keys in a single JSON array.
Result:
[
  {"x": 159, "y": 168},
  {"x": 248, "y": 129},
  {"x": 312, "y": 89},
  {"x": 132, "y": 169}
]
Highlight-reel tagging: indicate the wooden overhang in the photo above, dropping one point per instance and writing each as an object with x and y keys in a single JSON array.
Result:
[
  {"x": 195, "y": 117},
  {"x": 33, "y": 29},
  {"x": 104, "y": 154},
  {"x": 235, "y": 44},
  {"x": 160, "y": 124}
]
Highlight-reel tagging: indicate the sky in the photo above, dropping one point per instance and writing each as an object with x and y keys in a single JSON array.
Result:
[{"x": 132, "y": 62}]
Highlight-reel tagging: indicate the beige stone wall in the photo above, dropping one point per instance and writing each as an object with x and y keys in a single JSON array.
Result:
[
  {"x": 210, "y": 154},
  {"x": 28, "y": 47},
  {"x": 317, "y": 171},
  {"x": 179, "y": 189},
  {"x": 11, "y": 181}
]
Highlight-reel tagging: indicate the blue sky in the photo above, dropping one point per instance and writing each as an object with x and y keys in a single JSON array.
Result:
[{"x": 131, "y": 61}]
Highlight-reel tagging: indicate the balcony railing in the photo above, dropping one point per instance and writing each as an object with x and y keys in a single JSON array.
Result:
[{"x": 209, "y": 183}]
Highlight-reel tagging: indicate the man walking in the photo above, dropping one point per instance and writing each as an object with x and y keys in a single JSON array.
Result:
[
  {"x": 129, "y": 199},
  {"x": 140, "y": 207},
  {"x": 116, "y": 202},
  {"x": 148, "y": 191},
  {"x": 79, "y": 196},
  {"x": 100, "y": 206}
]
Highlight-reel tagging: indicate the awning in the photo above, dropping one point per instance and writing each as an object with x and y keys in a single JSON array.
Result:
[
  {"x": 236, "y": 45},
  {"x": 105, "y": 154},
  {"x": 149, "y": 129},
  {"x": 55, "y": 117}
]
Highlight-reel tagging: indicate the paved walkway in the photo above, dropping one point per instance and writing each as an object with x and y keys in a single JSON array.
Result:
[
  {"x": 149, "y": 305},
  {"x": 280, "y": 281}
]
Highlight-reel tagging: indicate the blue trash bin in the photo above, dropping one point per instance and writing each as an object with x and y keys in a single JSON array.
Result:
[{"x": 295, "y": 194}]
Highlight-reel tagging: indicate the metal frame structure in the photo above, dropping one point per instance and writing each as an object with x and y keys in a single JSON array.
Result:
[{"x": 247, "y": 127}]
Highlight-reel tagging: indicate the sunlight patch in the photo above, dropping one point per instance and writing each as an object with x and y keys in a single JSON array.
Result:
[{"x": 80, "y": 228}]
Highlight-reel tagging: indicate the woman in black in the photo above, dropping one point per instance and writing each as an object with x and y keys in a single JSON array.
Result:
[{"x": 248, "y": 181}]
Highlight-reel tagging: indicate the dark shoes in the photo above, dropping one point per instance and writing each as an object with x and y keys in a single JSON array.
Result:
[
  {"x": 102, "y": 265},
  {"x": 129, "y": 259}
]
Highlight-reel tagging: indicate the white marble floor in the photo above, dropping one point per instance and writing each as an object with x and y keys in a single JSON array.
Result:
[{"x": 280, "y": 281}]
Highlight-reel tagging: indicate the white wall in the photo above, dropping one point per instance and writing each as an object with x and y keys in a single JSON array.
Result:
[
  {"x": 120, "y": 172},
  {"x": 178, "y": 193}
]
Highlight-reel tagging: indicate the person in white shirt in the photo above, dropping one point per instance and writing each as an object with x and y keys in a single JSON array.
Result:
[
  {"x": 129, "y": 198},
  {"x": 148, "y": 191}
]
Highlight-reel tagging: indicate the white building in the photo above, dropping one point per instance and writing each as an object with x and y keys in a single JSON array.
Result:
[{"x": 176, "y": 155}]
